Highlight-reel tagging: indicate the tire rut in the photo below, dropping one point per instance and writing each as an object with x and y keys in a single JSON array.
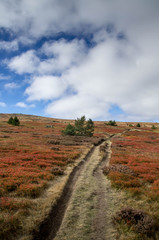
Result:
[
  {"x": 87, "y": 213},
  {"x": 82, "y": 212},
  {"x": 102, "y": 224},
  {"x": 50, "y": 226}
]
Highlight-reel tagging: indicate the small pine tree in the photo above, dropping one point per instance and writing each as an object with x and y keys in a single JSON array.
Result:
[
  {"x": 111, "y": 123},
  {"x": 10, "y": 121},
  {"x": 89, "y": 129},
  {"x": 16, "y": 121},
  {"x": 80, "y": 126},
  {"x": 69, "y": 130},
  {"x": 138, "y": 125}
]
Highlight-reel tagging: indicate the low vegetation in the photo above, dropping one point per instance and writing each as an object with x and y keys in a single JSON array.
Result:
[
  {"x": 32, "y": 158},
  {"x": 36, "y": 160},
  {"x": 153, "y": 127},
  {"x": 135, "y": 169},
  {"x": 138, "y": 220},
  {"x": 111, "y": 123},
  {"x": 138, "y": 125}
]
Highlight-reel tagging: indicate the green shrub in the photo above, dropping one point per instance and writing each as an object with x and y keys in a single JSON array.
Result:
[
  {"x": 10, "y": 121},
  {"x": 81, "y": 128},
  {"x": 69, "y": 130},
  {"x": 14, "y": 121},
  {"x": 111, "y": 123}
]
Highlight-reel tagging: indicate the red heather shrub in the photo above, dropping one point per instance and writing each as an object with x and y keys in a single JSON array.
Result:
[
  {"x": 138, "y": 151},
  {"x": 155, "y": 189},
  {"x": 121, "y": 180},
  {"x": 9, "y": 203},
  {"x": 119, "y": 175},
  {"x": 132, "y": 183},
  {"x": 148, "y": 178},
  {"x": 31, "y": 190},
  {"x": 155, "y": 185}
]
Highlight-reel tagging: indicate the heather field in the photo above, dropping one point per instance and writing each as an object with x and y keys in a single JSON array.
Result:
[
  {"x": 36, "y": 161},
  {"x": 134, "y": 169},
  {"x": 34, "y": 158}
]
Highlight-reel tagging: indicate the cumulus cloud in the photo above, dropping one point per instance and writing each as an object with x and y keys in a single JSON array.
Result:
[
  {"x": 78, "y": 105},
  {"x": 25, "y": 63},
  {"x": 112, "y": 73},
  {"x": 24, "y": 105},
  {"x": 116, "y": 63},
  {"x": 61, "y": 55},
  {"x": 45, "y": 88}
]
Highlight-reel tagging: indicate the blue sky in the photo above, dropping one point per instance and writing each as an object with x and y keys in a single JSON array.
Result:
[{"x": 68, "y": 58}]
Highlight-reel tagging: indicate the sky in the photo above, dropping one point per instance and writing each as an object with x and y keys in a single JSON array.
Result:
[{"x": 69, "y": 58}]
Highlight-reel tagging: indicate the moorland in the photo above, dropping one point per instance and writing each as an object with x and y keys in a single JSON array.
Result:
[{"x": 41, "y": 169}]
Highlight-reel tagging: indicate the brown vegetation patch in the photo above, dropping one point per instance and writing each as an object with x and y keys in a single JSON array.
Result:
[
  {"x": 118, "y": 168},
  {"x": 142, "y": 223},
  {"x": 72, "y": 140}
]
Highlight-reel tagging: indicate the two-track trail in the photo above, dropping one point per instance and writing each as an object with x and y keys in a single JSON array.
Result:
[
  {"x": 88, "y": 214},
  {"x": 85, "y": 209}
]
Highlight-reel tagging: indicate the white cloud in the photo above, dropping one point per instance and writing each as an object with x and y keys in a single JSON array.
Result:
[
  {"x": 9, "y": 46},
  {"x": 25, "y": 63},
  {"x": 11, "y": 85},
  {"x": 78, "y": 105},
  {"x": 114, "y": 71},
  {"x": 45, "y": 88},
  {"x": 2, "y": 104},
  {"x": 46, "y": 17},
  {"x": 61, "y": 54},
  {"x": 24, "y": 105}
]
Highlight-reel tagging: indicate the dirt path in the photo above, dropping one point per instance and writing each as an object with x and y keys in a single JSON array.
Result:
[{"x": 88, "y": 215}]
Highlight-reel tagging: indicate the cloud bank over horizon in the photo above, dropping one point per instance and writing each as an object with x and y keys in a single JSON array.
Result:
[{"x": 70, "y": 58}]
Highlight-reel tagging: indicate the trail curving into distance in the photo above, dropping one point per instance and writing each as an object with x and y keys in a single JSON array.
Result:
[
  {"x": 86, "y": 216},
  {"x": 83, "y": 212}
]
